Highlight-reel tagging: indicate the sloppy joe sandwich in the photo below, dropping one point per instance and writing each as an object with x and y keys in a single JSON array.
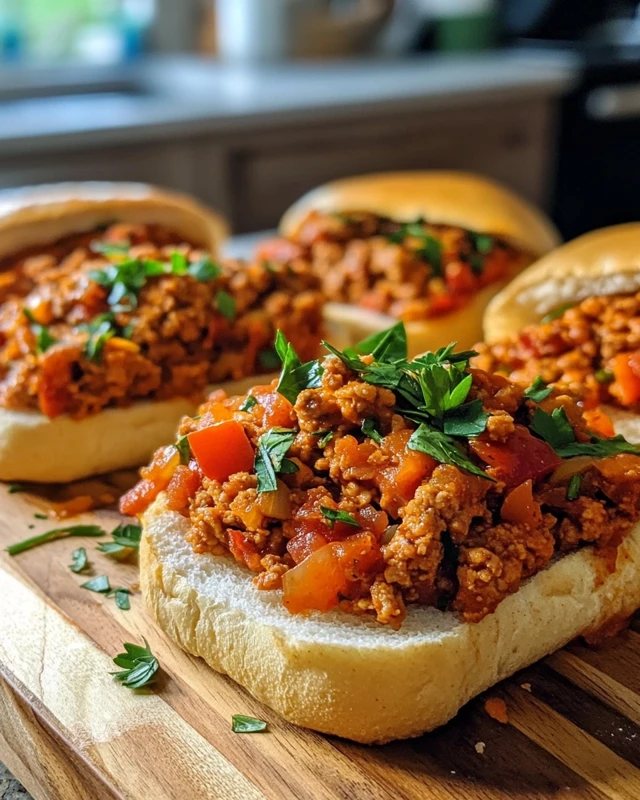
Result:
[
  {"x": 369, "y": 542},
  {"x": 428, "y": 248},
  {"x": 573, "y": 319},
  {"x": 116, "y": 316}
]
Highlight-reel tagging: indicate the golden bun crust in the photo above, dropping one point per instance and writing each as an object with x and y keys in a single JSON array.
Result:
[
  {"x": 604, "y": 262},
  {"x": 331, "y": 672},
  {"x": 346, "y": 325},
  {"x": 39, "y": 215},
  {"x": 453, "y": 198},
  {"x": 36, "y": 448}
]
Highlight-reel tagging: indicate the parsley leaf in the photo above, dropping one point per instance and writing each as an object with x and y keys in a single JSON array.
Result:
[
  {"x": 327, "y": 436},
  {"x": 268, "y": 359},
  {"x": 295, "y": 376},
  {"x": 44, "y": 339},
  {"x": 14, "y": 488},
  {"x": 538, "y": 391},
  {"x": 332, "y": 516},
  {"x": 370, "y": 429},
  {"x": 557, "y": 312},
  {"x": 100, "y": 585},
  {"x": 430, "y": 248},
  {"x": 388, "y": 345},
  {"x": 226, "y": 304},
  {"x": 139, "y": 666},
  {"x": 573, "y": 490},
  {"x": 121, "y": 596},
  {"x": 184, "y": 448},
  {"x": 556, "y": 430},
  {"x": 111, "y": 249},
  {"x": 444, "y": 449},
  {"x": 242, "y": 724},
  {"x": 249, "y": 403},
  {"x": 126, "y": 539},
  {"x": 179, "y": 263},
  {"x": 466, "y": 420},
  {"x": 270, "y": 455},
  {"x": 80, "y": 560},
  {"x": 125, "y": 279},
  {"x": 100, "y": 330},
  {"x": 604, "y": 376},
  {"x": 204, "y": 269},
  {"x": 57, "y": 533}
]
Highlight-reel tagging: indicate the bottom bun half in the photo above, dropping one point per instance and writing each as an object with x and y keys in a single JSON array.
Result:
[
  {"x": 35, "y": 448},
  {"x": 346, "y": 325},
  {"x": 346, "y": 675}
]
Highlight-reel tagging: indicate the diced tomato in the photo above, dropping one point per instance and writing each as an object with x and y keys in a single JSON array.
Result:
[
  {"x": 460, "y": 278},
  {"x": 372, "y": 520},
  {"x": 184, "y": 484},
  {"x": 358, "y": 555},
  {"x": 599, "y": 423},
  {"x": 280, "y": 250},
  {"x": 277, "y": 411},
  {"x": 222, "y": 450},
  {"x": 626, "y": 371},
  {"x": 398, "y": 483},
  {"x": 315, "y": 583},
  {"x": 441, "y": 303},
  {"x": 519, "y": 506},
  {"x": 155, "y": 478},
  {"x": 301, "y": 546},
  {"x": 521, "y": 458},
  {"x": 53, "y": 388},
  {"x": 244, "y": 550}
]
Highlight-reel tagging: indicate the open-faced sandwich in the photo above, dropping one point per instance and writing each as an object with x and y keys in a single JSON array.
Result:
[
  {"x": 428, "y": 248},
  {"x": 116, "y": 317},
  {"x": 573, "y": 319},
  {"x": 370, "y": 542}
]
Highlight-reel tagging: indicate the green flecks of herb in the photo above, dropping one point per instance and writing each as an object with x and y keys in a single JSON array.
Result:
[
  {"x": 242, "y": 724},
  {"x": 57, "y": 533},
  {"x": 327, "y": 436},
  {"x": 15, "y": 488},
  {"x": 557, "y": 312},
  {"x": 31, "y": 526},
  {"x": 467, "y": 420},
  {"x": 604, "y": 376},
  {"x": 444, "y": 449},
  {"x": 184, "y": 448},
  {"x": 204, "y": 269},
  {"x": 111, "y": 249},
  {"x": 573, "y": 490},
  {"x": 121, "y": 596},
  {"x": 139, "y": 666},
  {"x": 100, "y": 585},
  {"x": 332, "y": 516},
  {"x": 100, "y": 330},
  {"x": 429, "y": 249},
  {"x": 127, "y": 331},
  {"x": 270, "y": 457},
  {"x": 79, "y": 560},
  {"x": 556, "y": 430},
  {"x": 38, "y": 515},
  {"x": 226, "y": 304},
  {"x": 481, "y": 242},
  {"x": 538, "y": 391},
  {"x": 370, "y": 429},
  {"x": 125, "y": 279},
  {"x": 179, "y": 263},
  {"x": 270, "y": 266},
  {"x": 269, "y": 359},
  {"x": 126, "y": 540},
  {"x": 295, "y": 376},
  {"x": 44, "y": 339},
  {"x": 249, "y": 403}
]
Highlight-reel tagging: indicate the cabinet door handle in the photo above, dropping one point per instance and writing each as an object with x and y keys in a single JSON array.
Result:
[{"x": 614, "y": 102}]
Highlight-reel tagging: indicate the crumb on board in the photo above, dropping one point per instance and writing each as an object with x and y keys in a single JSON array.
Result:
[
  {"x": 479, "y": 746},
  {"x": 526, "y": 687},
  {"x": 496, "y": 708}
]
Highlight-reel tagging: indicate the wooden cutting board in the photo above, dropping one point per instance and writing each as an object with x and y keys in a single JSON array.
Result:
[{"x": 68, "y": 731}]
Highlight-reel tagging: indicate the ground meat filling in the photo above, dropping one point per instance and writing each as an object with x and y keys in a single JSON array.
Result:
[
  {"x": 133, "y": 312},
  {"x": 359, "y": 517},
  {"x": 411, "y": 271},
  {"x": 591, "y": 350}
]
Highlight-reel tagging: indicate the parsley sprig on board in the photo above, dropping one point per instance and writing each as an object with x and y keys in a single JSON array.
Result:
[{"x": 139, "y": 666}]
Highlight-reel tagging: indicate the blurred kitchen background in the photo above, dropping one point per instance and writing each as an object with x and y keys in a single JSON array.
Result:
[{"x": 249, "y": 103}]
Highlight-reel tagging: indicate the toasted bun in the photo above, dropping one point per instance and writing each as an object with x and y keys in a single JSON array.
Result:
[
  {"x": 38, "y": 215},
  {"x": 452, "y": 198},
  {"x": 36, "y": 448},
  {"x": 347, "y": 325},
  {"x": 341, "y": 674},
  {"x": 603, "y": 262}
]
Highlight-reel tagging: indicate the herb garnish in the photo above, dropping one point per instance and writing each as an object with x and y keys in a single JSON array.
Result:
[
  {"x": 557, "y": 312},
  {"x": 100, "y": 330},
  {"x": 226, "y": 304},
  {"x": 270, "y": 457},
  {"x": 242, "y": 724},
  {"x": 538, "y": 391},
  {"x": 15, "y": 488},
  {"x": 100, "y": 584},
  {"x": 295, "y": 376},
  {"x": 139, "y": 665},
  {"x": 481, "y": 245},
  {"x": 204, "y": 270},
  {"x": 604, "y": 376},
  {"x": 249, "y": 403},
  {"x": 430, "y": 249},
  {"x": 126, "y": 539},
  {"x": 327, "y": 436},
  {"x": 121, "y": 596},
  {"x": 80, "y": 560},
  {"x": 573, "y": 490},
  {"x": 333, "y": 516},
  {"x": 184, "y": 448},
  {"x": 556, "y": 430},
  {"x": 57, "y": 533},
  {"x": 125, "y": 279},
  {"x": 111, "y": 249},
  {"x": 370, "y": 429},
  {"x": 44, "y": 340}
]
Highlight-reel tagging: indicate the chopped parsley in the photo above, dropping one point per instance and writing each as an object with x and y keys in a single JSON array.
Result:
[
  {"x": 557, "y": 312},
  {"x": 481, "y": 246},
  {"x": 184, "y": 448},
  {"x": 204, "y": 269},
  {"x": 332, "y": 516},
  {"x": 125, "y": 540},
  {"x": 249, "y": 403},
  {"x": 327, "y": 436},
  {"x": 80, "y": 562},
  {"x": 573, "y": 490},
  {"x": 295, "y": 376},
  {"x": 56, "y": 533},
  {"x": 15, "y": 488},
  {"x": 270, "y": 457},
  {"x": 242, "y": 724},
  {"x": 124, "y": 280},
  {"x": 604, "y": 376},
  {"x": 370, "y": 429},
  {"x": 538, "y": 391},
  {"x": 139, "y": 666},
  {"x": 430, "y": 248},
  {"x": 100, "y": 584},
  {"x": 121, "y": 596},
  {"x": 269, "y": 359},
  {"x": 111, "y": 249},
  {"x": 179, "y": 263},
  {"x": 100, "y": 330},
  {"x": 44, "y": 339},
  {"x": 226, "y": 304},
  {"x": 556, "y": 430}
]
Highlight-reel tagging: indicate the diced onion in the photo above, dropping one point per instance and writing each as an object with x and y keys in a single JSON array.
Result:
[
  {"x": 388, "y": 535},
  {"x": 569, "y": 468},
  {"x": 276, "y": 504}
]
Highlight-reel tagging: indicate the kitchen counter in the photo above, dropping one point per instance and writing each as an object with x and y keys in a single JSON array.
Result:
[{"x": 164, "y": 98}]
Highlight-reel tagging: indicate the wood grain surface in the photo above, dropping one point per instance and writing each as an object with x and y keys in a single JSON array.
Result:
[{"x": 68, "y": 731}]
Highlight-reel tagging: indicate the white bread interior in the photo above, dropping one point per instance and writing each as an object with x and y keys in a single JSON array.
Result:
[
  {"x": 36, "y": 448},
  {"x": 341, "y": 674},
  {"x": 39, "y": 215},
  {"x": 453, "y": 198},
  {"x": 604, "y": 262}
]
